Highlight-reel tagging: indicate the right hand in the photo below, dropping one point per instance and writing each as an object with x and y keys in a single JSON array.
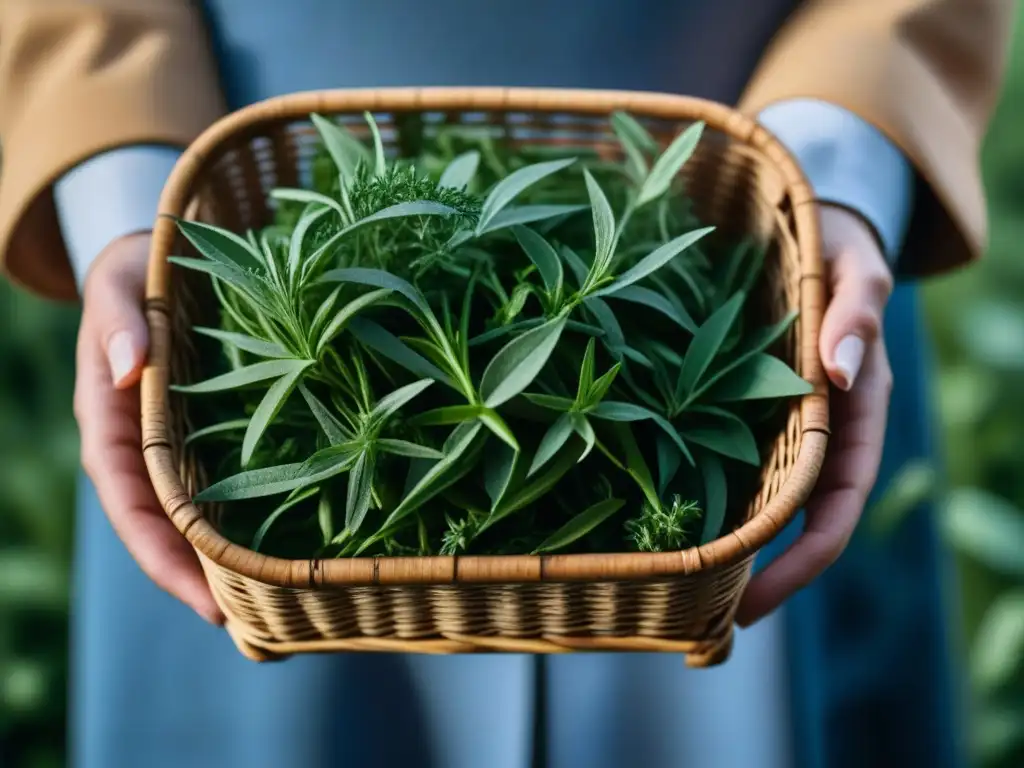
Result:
[{"x": 112, "y": 344}]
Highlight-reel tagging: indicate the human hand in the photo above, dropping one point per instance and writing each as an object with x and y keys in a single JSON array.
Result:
[
  {"x": 112, "y": 344},
  {"x": 853, "y": 351}
]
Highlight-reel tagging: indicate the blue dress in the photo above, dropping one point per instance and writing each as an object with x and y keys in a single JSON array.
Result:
[{"x": 853, "y": 672}]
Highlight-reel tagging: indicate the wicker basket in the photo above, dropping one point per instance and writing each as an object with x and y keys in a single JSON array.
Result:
[{"x": 742, "y": 181}]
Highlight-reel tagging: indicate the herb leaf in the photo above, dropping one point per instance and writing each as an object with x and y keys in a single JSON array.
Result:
[{"x": 581, "y": 525}]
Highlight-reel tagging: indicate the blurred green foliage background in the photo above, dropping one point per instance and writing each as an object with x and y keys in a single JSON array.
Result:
[{"x": 977, "y": 317}]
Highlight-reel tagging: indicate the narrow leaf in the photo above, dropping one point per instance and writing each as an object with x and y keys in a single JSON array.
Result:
[
  {"x": 243, "y": 377},
  {"x": 626, "y": 126},
  {"x": 517, "y": 182},
  {"x": 345, "y": 150},
  {"x": 220, "y": 245},
  {"x": 653, "y": 261},
  {"x": 445, "y": 416},
  {"x": 705, "y": 345},
  {"x": 552, "y": 442},
  {"x": 292, "y": 501},
  {"x": 715, "y": 490},
  {"x": 497, "y": 425},
  {"x": 537, "y": 487},
  {"x": 384, "y": 343},
  {"x": 581, "y": 525},
  {"x": 654, "y": 300},
  {"x": 380, "y": 164},
  {"x": 669, "y": 460},
  {"x": 215, "y": 429},
  {"x": 255, "y": 346},
  {"x": 254, "y": 484},
  {"x": 517, "y": 364},
  {"x": 499, "y": 466},
  {"x": 269, "y": 407},
  {"x": 346, "y": 313},
  {"x": 298, "y": 237},
  {"x": 543, "y": 256},
  {"x": 358, "y": 493},
  {"x": 407, "y": 449},
  {"x": 460, "y": 171},
  {"x": 378, "y": 278},
  {"x": 582, "y": 427},
  {"x": 668, "y": 165},
  {"x": 390, "y": 404},
  {"x": 553, "y": 402},
  {"x": 760, "y": 377},
  {"x": 604, "y": 228},
  {"x": 529, "y": 214},
  {"x": 724, "y": 433},
  {"x": 333, "y": 429}
]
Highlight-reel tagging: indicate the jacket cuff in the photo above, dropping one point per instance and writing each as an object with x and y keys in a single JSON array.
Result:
[
  {"x": 127, "y": 182},
  {"x": 848, "y": 163}
]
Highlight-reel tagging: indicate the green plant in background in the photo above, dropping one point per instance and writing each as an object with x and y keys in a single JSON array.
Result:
[{"x": 420, "y": 363}]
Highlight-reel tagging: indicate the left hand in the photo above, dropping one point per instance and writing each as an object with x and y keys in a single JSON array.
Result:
[{"x": 853, "y": 351}]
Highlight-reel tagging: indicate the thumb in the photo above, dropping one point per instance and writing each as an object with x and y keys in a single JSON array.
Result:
[
  {"x": 114, "y": 297},
  {"x": 860, "y": 283}
]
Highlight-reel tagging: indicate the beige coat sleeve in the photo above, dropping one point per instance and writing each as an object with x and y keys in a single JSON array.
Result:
[
  {"x": 78, "y": 77},
  {"x": 927, "y": 73}
]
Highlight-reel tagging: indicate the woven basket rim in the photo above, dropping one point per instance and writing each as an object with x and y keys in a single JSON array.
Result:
[{"x": 737, "y": 545}]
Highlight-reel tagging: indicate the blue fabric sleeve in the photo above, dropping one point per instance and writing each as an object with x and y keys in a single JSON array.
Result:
[
  {"x": 849, "y": 163},
  {"x": 111, "y": 195}
]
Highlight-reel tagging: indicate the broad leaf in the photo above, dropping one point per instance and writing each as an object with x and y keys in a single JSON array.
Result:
[
  {"x": 460, "y": 171},
  {"x": 543, "y": 256},
  {"x": 552, "y": 442},
  {"x": 761, "y": 376},
  {"x": 581, "y": 525},
  {"x": 705, "y": 345},
  {"x": 653, "y": 261},
  {"x": 269, "y": 407},
  {"x": 245, "y": 343},
  {"x": 517, "y": 182},
  {"x": 387, "y": 345},
  {"x": 667, "y": 167},
  {"x": 292, "y": 501},
  {"x": 243, "y": 377},
  {"x": 715, "y": 499},
  {"x": 517, "y": 364}
]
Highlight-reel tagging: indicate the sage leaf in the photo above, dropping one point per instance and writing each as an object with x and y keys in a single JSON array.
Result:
[
  {"x": 529, "y": 214},
  {"x": 761, "y": 376},
  {"x": 604, "y": 229},
  {"x": 346, "y": 151},
  {"x": 517, "y": 182},
  {"x": 407, "y": 449},
  {"x": 270, "y": 406},
  {"x": 576, "y": 265},
  {"x": 387, "y": 345},
  {"x": 553, "y": 402},
  {"x": 543, "y": 256},
  {"x": 726, "y": 434},
  {"x": 234, "y": 425},
  {"x": 378, "y": 278},
  {"x": 243, "y": 377},
  {"x": 499, "y": 466},
  {"x": 358, "y": 493},
  {"x": 298, "y": 237},
  {"x": 445, "y": 416},
  {"x": 254, "y": 484},
  {"x": 635, "y": 464},
  {"x": 346, "y": 313},
  {"x": 556, "y": 437},
  {"x": 248, "y": 285},
  {"x": 618, "y": 411},
  {"x": 517, "y": 364},
  {"x": 582, "y": 427},
  {"x": 653, "y": 261},
  {"x": 705, "y": 345},
  {"x": 460, "y": 171},
  {"x": 220, "y": 245},
  {"x": 390, "y": 404},
  {"x": 581, "y": 525},
  {"x": 669, "y": 460},
  {"x": 245, "y": 343},
  {"x": 333, "y": 429},
  {"x": 292, "y": 501},
  {"x": 656, "y": 301},
  {"x": 497, "y": 425},
  {"x": 668, "y": 165},
  {"x": 628, "y": 128},
  {"x": 715, "y": 499},
  {"x": 537, "y": 487}
]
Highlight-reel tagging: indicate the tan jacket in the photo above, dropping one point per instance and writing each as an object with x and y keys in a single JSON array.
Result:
[{"x": 79, "y": 77}]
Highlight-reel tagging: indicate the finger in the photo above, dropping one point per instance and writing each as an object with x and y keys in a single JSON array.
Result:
[
  {"x": 114, "y": 296},
  {"x": 860, "y": 283},
  {"x": 111, "y": 442},
  {"x": 832, "y": 513}
]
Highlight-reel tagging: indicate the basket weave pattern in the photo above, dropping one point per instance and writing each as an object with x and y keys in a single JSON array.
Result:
[{"x": 741, "y": 180}]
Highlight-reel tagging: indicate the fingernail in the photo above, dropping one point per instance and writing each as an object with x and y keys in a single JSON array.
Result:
[
  {"x": 849, "y": 354},
  {"x": 120, "y": 355}
]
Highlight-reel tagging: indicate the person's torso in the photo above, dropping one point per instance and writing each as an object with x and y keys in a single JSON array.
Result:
[{"x": 702, "y": 48}]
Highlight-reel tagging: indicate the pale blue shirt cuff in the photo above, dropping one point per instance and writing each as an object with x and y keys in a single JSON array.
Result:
[
  {"x": 849, "y": 163},
  {"x": 108, "y": 196}
]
